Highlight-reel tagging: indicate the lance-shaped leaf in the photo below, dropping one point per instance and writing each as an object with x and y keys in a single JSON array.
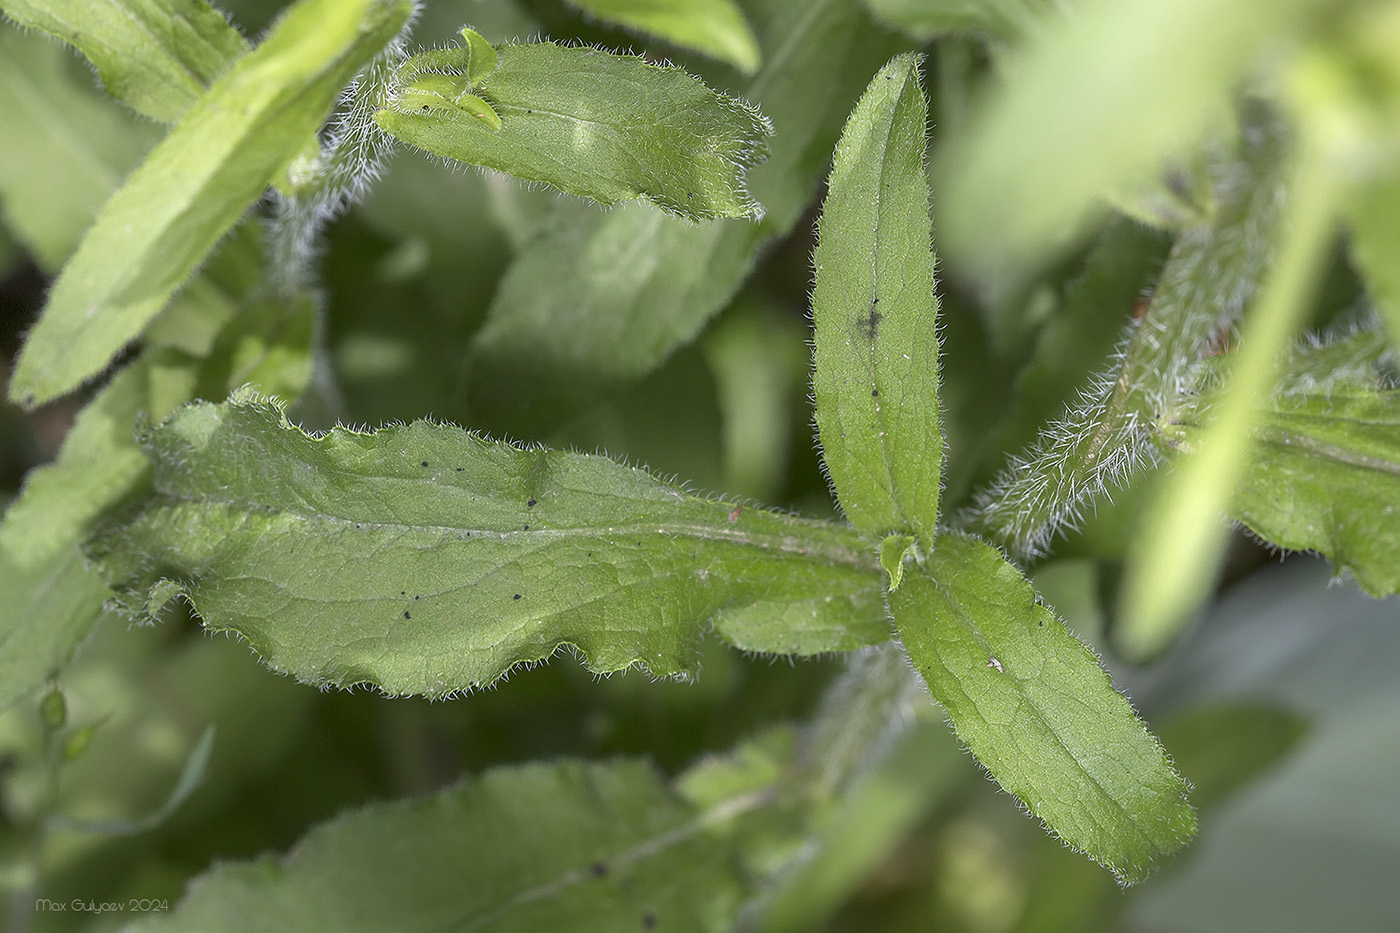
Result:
[
  {"x": 194, "y": 186},
  {"x": 873, "y": 307},
  {"x": 1033, "y": 704},
  {"x": 564, "y": 846},
  {"x": 604, "y": 126},
  {"x": 715, "y": 27},
  {"x": 157, "y": 56},
  {"x": 599, "y": 299},
  {"x": 424, "y": 559},
  {"x": 1325, "y": 476}
]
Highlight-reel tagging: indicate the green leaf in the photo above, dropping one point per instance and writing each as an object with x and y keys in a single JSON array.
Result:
[
  {"x": 599, "y": 299},
  {"x": 564, "y": 846},
  {"x": 194, "y": 186},
  {"x": 874, "y": 311},
  {"x": 78, "y": 146},
  {"x": 604, "y": 126},
  {"x": 1146, "y": 78},
  {"x": 157, "y": 56},
  {"x": 52, "y": 600},
  {"x": 457, "y": 559},
  {"x": 1325, "y": 477},
  {"x": 715, "y": 27},
  {"x": 1035, "y": 707},
  {"x": 1373, "y": 214},
  {"x": 928, "y": 19}
]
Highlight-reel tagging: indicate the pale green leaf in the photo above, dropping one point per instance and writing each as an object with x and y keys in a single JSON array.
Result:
[
  {"x": 157, "y": 56},
  {"x": 194, "y": 186},
  {"x": 1091, "y": 107},
  {"x": 1325, "y": 477},
  {"x": 599, "y": 299},
  {"x": 715, "y": 27},
  {"x": 874, "y": 311},
  {"x": 1035, "y": 707},
  {"x": 1373, "y": 213},
  {"x": 77, "y": 146},
  {"x": 51, "y": 600},
  {"x": 564, "y": 846},
  {"x": 928, "y": 19},
  {"x": 607, "y": 127},
  {"x": 423, "y": 559}
]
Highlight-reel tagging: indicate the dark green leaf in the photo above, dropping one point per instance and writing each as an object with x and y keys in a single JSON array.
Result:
[
  {"x": 1035, "y": 707},
  {"x": 604, "y": 126},
  {"x": 194, "y": 186},
  {"x": 876, "y": 357},
  {"x": 424, "y": 559},
  {"x": 158, "y": 56},
  {"x": 597, "y": 300}
]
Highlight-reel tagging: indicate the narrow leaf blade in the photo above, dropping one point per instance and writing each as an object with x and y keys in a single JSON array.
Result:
[
  {"x": 424, "y": 559},
  {"x": 927, "y": 19},
  {"x": 715, "y": 27},
  {"x": 194, "y": 186},
  {"x": 157, "y": 56},
  {"x": 874, "y": 310},
  {"x": 1035, "y": 707},
  {"x": 604, "y": 126}
]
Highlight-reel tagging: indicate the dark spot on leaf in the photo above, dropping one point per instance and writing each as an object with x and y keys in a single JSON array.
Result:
[
  {"x": 406, "y": 615},
  {"x": 648, "y": 921},
  {"x": 424, "y": 463},
  {"x": 426, "y": 107},
  {"x": 417, "y": 597},
  {"x": 527, "y": 527},
  {"x": 460, "y": 469},
  {"x": 517, "y": 596},
  {"x": 868, "y": 325},
  {"x": 530, "y": 504},
  {"x": 403, "y": 592},
  {"x": 874, "y": 393},
  {"x": 599, "y": 869},
  {"x": 1042, "y": 623}
]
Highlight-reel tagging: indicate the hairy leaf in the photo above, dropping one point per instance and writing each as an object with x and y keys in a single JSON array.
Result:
[
  {"x": 157, "y": 56},
  {"x": 424, "y": 559},
  {"x": 604, "y": 126},
  {"x": 1035, "y": 707},
  {"x": 1325, "y": 477},
  {"x": 927, "y": 19},
  {"x": 599, "y": 299},
  {"x": 715, "y": 27},
  {"x": 873, "y": 307},
  {"x": 564, "y": 846},
  {"x": 194, "y": 186}
]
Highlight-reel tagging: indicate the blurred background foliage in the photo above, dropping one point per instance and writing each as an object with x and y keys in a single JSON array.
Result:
[{"x": 1280, "y": 704}]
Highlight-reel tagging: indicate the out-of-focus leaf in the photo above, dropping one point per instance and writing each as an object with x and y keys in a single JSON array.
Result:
[
  {"x": 715, "y": 27},
  {"x": 607, "y": 127},
  {"x": 588, "y": 847},
  {"x": 927, "y": 19},
  {"x": 76, "y": 147},
  {"x": 424, "y": 559},
  {"x": 1035, "y": 707},
  {"x": 597, "y": 300},
  {"x": 193, "y": 187},
  {"x": 157, "y": 56},
  {"x": 1090, "y": 108},
  {"x": 1374, "y": 216},
  {"x": 876, "y": 358}
]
